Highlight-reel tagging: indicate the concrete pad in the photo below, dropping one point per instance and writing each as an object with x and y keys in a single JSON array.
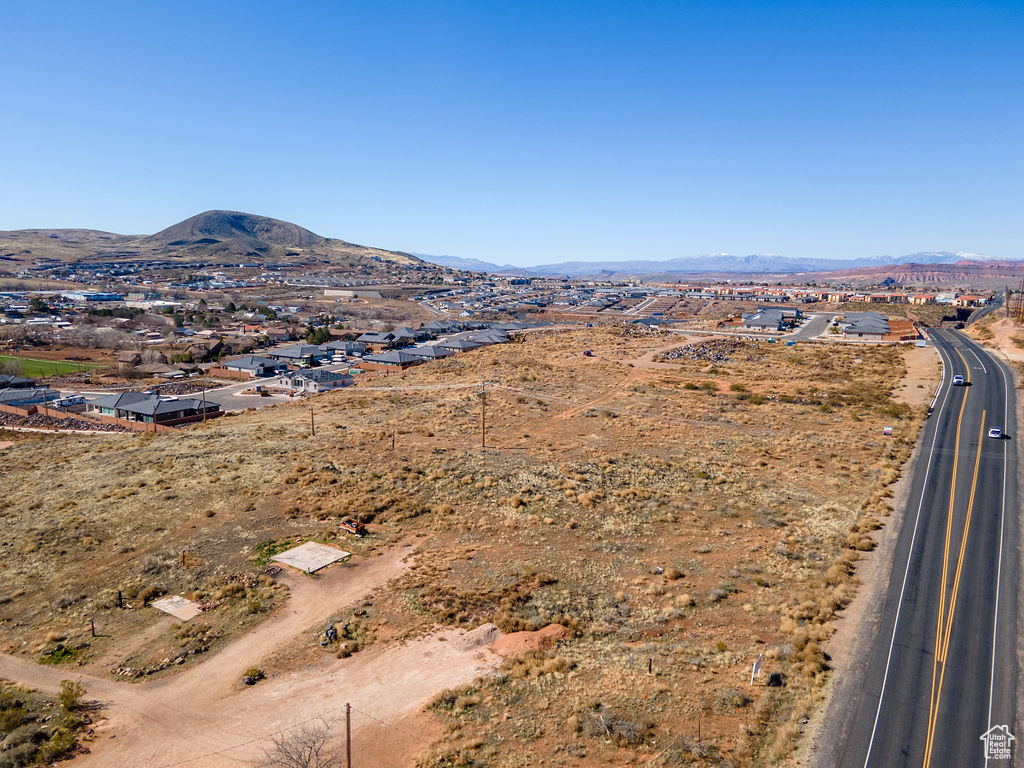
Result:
[
  {"x": 178, "y": 606},
  {"x": 311, "y": 556}
]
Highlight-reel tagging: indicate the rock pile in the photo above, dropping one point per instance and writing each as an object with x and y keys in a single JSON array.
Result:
[{"x": 712, "y": 351}]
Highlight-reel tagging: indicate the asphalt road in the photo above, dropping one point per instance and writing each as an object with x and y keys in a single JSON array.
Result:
[
  {"x": 941, "y": 669},
  {"x": 814, "y": 326}
]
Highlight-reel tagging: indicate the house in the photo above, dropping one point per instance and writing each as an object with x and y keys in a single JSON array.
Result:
[
  {"x": 968, "y": 301},
  {"x": 279, "y": 334},
  {"x": 869, "y": 326},
  {"x": 8, "y": 381},
  {"x": 204, "y": 351},
  {"x": 430, "y": 352},
  {"x": 301, "y": 354},
  {"x": 651, "y": 321},
  {"x": 150, "y": 409},
  {"x": 489, "y": 337},
  {"x": 313, "y": 381},
  {"x": 128, "y": 359},
  {"x": 772, "y": 318},
  {"x": 254, "y": 365},
  {"x": 346, "y": 347},
  {"x": 375, "y": 340},
  {"x": 402, "y": 337},
  {"x": 439, "y": 327},
  {"x": 509, "y": 326},
  {"x": 405, "y": 334},
  {"x": 458, "y": 345},
  {"x": 395, "y": 358},
  {"x": 160, "y": 370},
  {"x": 27, "y": 396}
]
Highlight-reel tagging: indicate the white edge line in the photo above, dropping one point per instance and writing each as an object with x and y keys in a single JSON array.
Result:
[
  {"x": 906, "y": 571},
  {"x": 983, "y": 368},
  {"x": 999, "y": 561}
]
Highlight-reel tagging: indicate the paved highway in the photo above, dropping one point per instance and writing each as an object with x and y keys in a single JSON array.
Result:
[{"x": 941, "y": 669}]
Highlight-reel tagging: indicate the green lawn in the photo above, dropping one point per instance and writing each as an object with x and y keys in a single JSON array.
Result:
[{"x": 35, "y": 368}]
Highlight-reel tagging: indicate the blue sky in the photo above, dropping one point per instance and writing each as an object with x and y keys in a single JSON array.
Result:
[{"x": 527, "y": 132}]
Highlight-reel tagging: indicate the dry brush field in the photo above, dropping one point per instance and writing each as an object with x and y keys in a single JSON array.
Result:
[{"x": 678, "y": 518}]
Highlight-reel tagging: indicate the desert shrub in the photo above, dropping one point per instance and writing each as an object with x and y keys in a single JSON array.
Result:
[
  {"x": 71, "y": 693},
  {"x": 60, "y": 744},
  {"x": 152, "y": 592},
  {"x": 234, "y": 589},
  {"x": 155, "y": 564},
  {"x": 726, "y": 700},
  {"x": 622, "y": 730}
]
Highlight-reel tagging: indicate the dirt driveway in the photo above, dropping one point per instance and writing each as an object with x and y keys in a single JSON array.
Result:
[{"x": 202, "y": 718}]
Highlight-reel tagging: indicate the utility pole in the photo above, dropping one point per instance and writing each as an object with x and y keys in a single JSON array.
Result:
[
  {"x": 348, "y": 736},
  {"x": 312, "y": 424},
  {"x": 394, "y": 431},
  {"x": 204, "y": 402}
]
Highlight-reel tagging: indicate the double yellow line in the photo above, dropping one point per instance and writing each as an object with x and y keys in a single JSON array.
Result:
[{"x": 944, "y": 621}]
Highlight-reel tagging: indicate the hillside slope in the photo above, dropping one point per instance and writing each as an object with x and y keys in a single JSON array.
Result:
[{"x": 213, "y": 236}]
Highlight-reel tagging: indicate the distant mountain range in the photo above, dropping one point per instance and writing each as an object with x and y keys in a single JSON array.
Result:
[
  {"x": 221, "y": 237},
  {"x": 231, "y": 238},
  {"x": 758, "y": 264}
]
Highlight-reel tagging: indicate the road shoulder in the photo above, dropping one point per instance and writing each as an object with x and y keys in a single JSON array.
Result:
[{"x": 849, "y": 646}]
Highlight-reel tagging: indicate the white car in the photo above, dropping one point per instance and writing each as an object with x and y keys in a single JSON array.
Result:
[
  {"x": 995, "y": 432},
  {"x": 958, "y": 380}
]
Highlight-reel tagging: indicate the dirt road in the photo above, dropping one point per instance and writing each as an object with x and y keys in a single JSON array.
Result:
[{"x": 201, "y": 718}]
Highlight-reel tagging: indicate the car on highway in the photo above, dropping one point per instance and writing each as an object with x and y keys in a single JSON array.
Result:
[
  {"x": 958, "y": 380},
  {"x": 995, "y": 432}
]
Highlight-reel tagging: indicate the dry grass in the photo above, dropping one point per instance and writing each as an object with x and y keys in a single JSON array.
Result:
[{"x": 678, "y": 532}]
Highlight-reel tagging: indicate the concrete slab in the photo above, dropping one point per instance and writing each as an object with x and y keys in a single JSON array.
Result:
[
  {"x": 178, "y": 606},
  {"x": 311, "y": 556}
]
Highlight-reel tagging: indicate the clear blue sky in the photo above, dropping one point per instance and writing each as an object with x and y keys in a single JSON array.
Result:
[{"x": 526, "y": 132}]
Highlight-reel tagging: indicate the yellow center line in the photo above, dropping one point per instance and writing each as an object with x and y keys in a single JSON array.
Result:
[
  {"x": 942, "y": 646},
  {"x": 956, "y": 587},
  {"x": 963, "y": 546},
  {"x": 945, "y": 568}
]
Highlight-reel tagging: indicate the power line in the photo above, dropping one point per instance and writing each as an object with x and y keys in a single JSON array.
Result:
[{"x": 292, "y": 727}]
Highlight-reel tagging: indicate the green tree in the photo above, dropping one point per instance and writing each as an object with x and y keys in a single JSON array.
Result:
[
  {"x": 319, "y": 335},
  {"x": 36, "y": 304}
]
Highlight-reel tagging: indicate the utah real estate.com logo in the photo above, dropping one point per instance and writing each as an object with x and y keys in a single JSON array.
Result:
[{"x": 997, "y": 742}]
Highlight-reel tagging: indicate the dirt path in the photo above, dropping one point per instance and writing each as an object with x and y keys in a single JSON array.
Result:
[
  {"x": 201, "y": 718},
  {"x": 638, "y": 368}
]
